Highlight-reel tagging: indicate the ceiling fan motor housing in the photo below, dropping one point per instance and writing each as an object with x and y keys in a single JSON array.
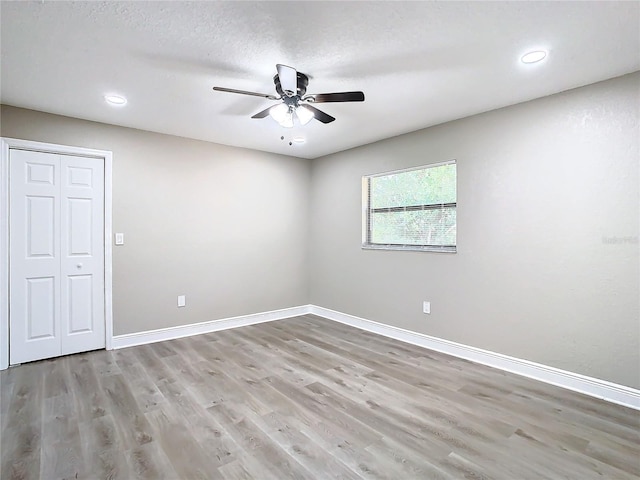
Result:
[{"x": 302, "y": 82}]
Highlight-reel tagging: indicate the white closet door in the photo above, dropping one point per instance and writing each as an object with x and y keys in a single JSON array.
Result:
[
  {"x": 82, "y": 254},
  {"x": 56, "y": 219},
  {"x": 35, "y": 256}
]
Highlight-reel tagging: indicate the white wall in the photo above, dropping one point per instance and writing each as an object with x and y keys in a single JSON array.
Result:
[
  {"x": 221, "y": 225},
  {"x": 542, "y": 188}
]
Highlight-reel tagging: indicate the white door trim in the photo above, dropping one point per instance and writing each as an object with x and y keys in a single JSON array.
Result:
[{"x": 5, "y": 145}]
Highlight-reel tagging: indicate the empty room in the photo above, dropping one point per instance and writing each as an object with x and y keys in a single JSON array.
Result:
[{"x": 315, "y": 240}]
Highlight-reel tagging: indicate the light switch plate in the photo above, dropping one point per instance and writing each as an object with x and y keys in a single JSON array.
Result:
[
  {"x": 426, "y": 307},
  {"x": 182, "y": 301},
  {"x": 119, "y": 238}
]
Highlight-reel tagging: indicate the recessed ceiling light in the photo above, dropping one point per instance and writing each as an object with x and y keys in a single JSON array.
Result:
[
  {"x": 115, "y": 100},
  {"x": 534, "y": 56}
]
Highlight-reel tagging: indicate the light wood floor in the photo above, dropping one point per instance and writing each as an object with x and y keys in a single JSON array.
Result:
[{"x": 302, "y": 398}]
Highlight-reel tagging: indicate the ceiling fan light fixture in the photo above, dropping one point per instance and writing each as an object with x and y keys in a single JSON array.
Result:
[
  {"x": 279, "y": 112},
  {"x": 288, "y": 120},
  {"x": 283, "y": 114},
  {"x": 304, "y": 114}
]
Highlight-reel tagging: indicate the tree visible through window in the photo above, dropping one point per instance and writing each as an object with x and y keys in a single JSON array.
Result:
[{"x": 411, "y": 209}]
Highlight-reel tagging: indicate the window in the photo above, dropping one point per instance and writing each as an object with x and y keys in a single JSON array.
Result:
[{"x": 412, "y": 209}]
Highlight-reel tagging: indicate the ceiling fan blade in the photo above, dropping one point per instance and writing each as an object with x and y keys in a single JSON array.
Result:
[
  {"x": 288, "y": 79},
  {"x": 263, "y": 113},
  {"x": 338, "y": 97},
  {"x": 320, "y": 115},
  {"x": 244, "y": 92}
]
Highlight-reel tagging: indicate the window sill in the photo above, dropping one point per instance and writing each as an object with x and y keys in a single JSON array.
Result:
[{"x": 411, "y": 248}]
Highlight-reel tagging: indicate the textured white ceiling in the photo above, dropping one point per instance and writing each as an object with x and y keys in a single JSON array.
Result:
[{"x": 418, "y": 63}]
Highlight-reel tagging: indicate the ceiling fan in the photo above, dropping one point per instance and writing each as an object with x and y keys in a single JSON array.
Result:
[{"x": 291, "y": 87}]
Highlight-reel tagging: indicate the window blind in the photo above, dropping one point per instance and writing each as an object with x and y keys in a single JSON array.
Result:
[{"x": 412, "y": 209}]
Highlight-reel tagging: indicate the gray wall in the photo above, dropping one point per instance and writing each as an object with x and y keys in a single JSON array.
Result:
[
  {"x": 221, "y": 225},
  {"x": 543, "y": 187}
]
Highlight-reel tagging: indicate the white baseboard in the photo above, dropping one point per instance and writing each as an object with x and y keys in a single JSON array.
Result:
[
  {"x": 170, "y": 333},
  {"x": 611, "y": 392}
]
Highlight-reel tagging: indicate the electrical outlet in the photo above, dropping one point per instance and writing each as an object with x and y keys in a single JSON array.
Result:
[
  {"x": 182, "y": 301},
  {"x": 426, "y": 307}
]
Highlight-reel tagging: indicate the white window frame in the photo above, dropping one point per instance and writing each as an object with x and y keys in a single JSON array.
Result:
[{"x": 366, "y": 214}]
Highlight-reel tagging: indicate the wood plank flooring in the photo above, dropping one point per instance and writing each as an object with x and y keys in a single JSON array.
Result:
[{"x": 302, "y": 398}]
